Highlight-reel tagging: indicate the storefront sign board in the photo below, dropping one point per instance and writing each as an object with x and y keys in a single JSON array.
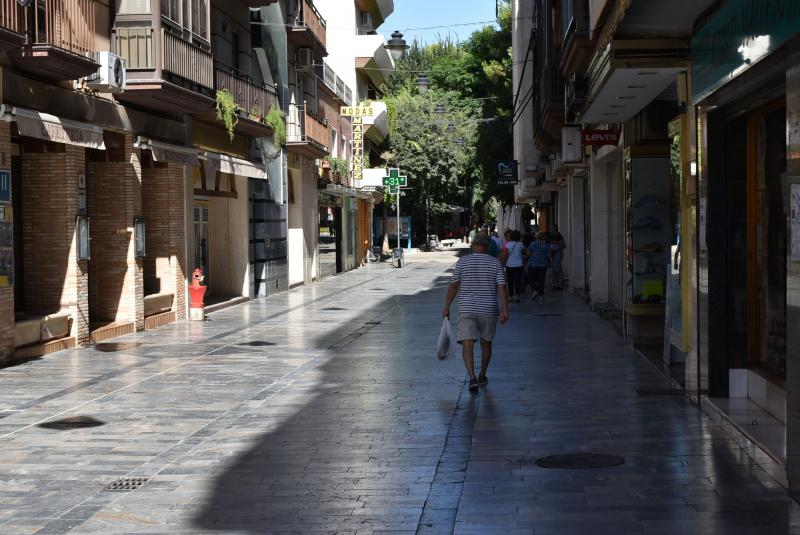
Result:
[
  {"x": 598, "y": 138},
  {"x": 357, "y": 111},
  {"x": 507, "y": 173},
  {"x": 736, "y": 36}
]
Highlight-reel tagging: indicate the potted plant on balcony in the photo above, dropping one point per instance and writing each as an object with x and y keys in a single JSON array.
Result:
[{"x": 228, "y": 111}]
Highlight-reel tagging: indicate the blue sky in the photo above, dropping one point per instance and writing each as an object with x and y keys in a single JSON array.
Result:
[{"x": 426, "y": 13}]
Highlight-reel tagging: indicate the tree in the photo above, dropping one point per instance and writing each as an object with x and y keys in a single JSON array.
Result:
[{"x": 473, "y": 81}]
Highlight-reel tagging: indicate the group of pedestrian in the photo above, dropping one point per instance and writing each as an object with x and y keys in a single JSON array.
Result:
[{"x": 498, "y": 267}]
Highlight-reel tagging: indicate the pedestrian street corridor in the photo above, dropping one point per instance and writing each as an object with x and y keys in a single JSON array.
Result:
[{"x": 324, "y": 410}]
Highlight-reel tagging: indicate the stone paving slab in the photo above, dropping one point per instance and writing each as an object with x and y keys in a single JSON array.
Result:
[{"x": 323, "y": 410}]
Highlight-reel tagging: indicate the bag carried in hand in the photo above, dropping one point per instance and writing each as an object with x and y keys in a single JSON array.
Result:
[{"x": 446, "y": 344}]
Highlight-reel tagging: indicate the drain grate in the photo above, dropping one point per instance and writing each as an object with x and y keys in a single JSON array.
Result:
[
  {"x": 580, "y": 461},
  {"x": 73, "y": 422},
  {"x": 373, "y": 323},
  {"x": 125, "y": 484},
  {"x": 645, "y": 392},
  {"x": 111, "y": 347},
  {"x": 257, "y": 343}
]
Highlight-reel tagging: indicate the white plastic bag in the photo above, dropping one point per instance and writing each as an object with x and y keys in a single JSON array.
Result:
[{"x": 446, "y": 344}]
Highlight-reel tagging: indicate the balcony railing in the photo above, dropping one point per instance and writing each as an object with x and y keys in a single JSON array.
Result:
[
  {"x": 11, "y": 16},
  {"x": 67, "y": 24},
  {"x": 335, "y": 84},
  {"x": 255, "y": 99},
  {"x": 306, "y": 127},
  {"x": 307, "y": 16},
  {"x": 184, "y": 59}
]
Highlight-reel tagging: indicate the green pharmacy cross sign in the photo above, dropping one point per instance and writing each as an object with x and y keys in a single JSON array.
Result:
[{"x": 395, "y": 180}]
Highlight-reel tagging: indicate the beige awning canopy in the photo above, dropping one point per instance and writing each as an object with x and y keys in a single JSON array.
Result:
[
  {"x": 48, "y": 127},
  {"x": 166, "y": 152},
  {"x": 234, "y": 166}
]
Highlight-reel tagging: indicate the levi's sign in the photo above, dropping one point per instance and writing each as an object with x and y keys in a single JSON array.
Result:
[{"x": 600, "y": 137}]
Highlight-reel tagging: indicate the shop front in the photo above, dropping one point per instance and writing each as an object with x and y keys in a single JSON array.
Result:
[{"x": 745, "y": 84}]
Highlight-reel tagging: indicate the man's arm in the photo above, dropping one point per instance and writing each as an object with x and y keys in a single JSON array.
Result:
[
  {"x": 503, "y": 302},
  {"x": 452, "y": 291}
]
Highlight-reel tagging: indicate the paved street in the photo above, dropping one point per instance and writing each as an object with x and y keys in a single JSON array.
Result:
[{"x": 323, "y": 410}]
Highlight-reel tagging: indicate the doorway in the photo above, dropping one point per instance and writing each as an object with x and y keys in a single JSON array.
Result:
[{"x": 766, "y": 241}]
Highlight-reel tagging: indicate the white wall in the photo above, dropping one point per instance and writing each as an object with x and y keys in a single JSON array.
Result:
[
  {"x": 303, "y": 224},
  {"x": 524, "y": 150},
  {"x": 576, "y": 252},
  {"x": 607, "y": 238}
]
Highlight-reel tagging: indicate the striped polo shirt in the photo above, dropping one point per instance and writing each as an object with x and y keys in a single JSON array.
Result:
[{"x": 478, "y": 276}]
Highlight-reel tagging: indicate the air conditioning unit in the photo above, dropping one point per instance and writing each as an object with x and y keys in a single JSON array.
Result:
[
  {"x": 365, "y": 21},
  {"x": 304, "y": 57},
  {"x": 110, "y": 76}
]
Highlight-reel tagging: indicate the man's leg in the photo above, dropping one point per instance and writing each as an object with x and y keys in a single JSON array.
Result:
[
  {"x": 486, "y": 355},
  {"x": 468, "y": 352}
]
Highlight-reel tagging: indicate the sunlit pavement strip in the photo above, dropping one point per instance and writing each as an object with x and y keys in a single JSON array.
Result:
[{"x": 323, "y": 410}]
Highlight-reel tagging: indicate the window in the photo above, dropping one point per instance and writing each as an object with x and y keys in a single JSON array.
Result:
[
  {"x": 191, "y": 15},
  {"x": 334, "y": 143},
  {"x": 235, "y": 51}
]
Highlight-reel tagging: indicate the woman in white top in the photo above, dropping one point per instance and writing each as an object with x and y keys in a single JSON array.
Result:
[{"x": 513, "y": 258}]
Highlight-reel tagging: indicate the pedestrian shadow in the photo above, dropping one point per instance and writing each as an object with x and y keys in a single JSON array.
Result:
[{"x": 374, "y": 427}]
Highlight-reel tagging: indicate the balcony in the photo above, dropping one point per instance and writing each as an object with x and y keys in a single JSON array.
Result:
[
  {"x": 11, "y": 25},
  {"x": 577, "y": 48},
  {"x": 372, "y": 58},
  {"x": 548, "y": 108},
  {"x": 173, "y": 75},
  {"x": 379, "y": 9},
  {"x": 306, "y": 134},
  {"x": 259, "y": 3},
  {"x": 254, "y": 99},
  {"x": 307, "y": 28},
  {"x": 59, "y": 38},
  {"x": 334, "y": 85}
]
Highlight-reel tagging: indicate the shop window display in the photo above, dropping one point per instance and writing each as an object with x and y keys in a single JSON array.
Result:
[{"x": 649, "y": 227}]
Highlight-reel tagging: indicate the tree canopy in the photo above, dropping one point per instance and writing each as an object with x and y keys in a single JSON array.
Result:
[{"x": 451, "y": 158}]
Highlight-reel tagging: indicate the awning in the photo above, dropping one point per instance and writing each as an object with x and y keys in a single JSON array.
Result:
[
  {"x": 51, "y": 128},
  {"x": 234, "y": 166},
  {"x": 165, "y": 152}
]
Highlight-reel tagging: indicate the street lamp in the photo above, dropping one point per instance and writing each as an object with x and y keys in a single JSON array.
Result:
[
  {"x": 396, "y": 45},
  {"x": 439, "y": 109},
  {"x": 423, "y": 84},
  {"x": 451, "y": 128}
]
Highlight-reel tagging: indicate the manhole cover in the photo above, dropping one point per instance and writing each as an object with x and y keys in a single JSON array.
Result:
[
  {"x": 545, "y": 315},
  {"x": 644, "y": 392},
  {"x": 74, "y": 422},
  {"x": 580, "y": 461},
  {"x": 378, "y": 289},
  {"x": 125, "y": 484},
  {"x": 334, "y": 308},
  {"x": 111, "y": 347},
  {"x": 257, "y": 343}
]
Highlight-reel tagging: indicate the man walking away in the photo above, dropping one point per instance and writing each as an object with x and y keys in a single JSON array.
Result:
[
  {"x": 539, "y": 251},
  {"x": 477, "y": 279},
  {"x": 472, "y": 234}
]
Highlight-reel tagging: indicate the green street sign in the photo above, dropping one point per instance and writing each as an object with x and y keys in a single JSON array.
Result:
[{"x": 395, "y": 179}]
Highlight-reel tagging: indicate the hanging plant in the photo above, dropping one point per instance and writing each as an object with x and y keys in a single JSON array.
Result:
[
  {"x": 227, "y": 111},
  {"x": 277, "y": 121},
  {"x": 340, "y": 167}
]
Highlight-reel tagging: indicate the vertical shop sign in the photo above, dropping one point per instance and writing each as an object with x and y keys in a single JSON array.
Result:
[
  {"x": 795, "y": 215},
  {"x": 358, "y": 147},
  {"x": 6, "y": 231}
]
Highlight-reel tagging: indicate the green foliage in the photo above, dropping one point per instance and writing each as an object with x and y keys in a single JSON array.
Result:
[
  {"x": 277, "y": 121},
  {"x": 339, "y": 166},
  {"x": 227, "y": 111},
  {"x": 473, "y": 80}
]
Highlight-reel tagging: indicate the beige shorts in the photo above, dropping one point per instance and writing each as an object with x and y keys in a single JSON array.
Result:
[{"x": 475, "y": 326}]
